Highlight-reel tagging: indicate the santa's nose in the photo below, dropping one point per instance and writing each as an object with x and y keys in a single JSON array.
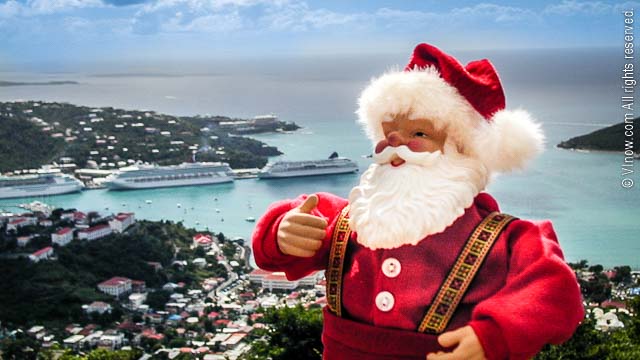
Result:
[{"x": 395, "y": 139}]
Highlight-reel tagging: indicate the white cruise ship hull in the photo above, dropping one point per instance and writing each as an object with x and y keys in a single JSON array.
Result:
[
  {"x": 298, "y": 173},
  {"x": 122, "y": 184},
  {"x": 38, "y": 190}
]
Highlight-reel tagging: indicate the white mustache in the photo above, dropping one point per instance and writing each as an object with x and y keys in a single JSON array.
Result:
[{"x": 410, "y": 157}]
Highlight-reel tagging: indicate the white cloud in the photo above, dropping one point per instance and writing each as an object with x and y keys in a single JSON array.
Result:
[
  {"x": 300, "y": 17},
  {"x": 206, "y": 5},
  {"x": 209, "y": 23},
  {"x": 404, "y": 15},
  {"x": 14, "y": 8},
  {"x": 572, "y": 7},
  {"x": 497, "y": 13},
  {"x": 10, "y": 9},
  {"x": 618, "y": 8},
  {"x": 51, "y": 6}
]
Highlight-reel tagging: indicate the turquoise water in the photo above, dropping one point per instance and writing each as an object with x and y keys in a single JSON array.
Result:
[{"x": 595, "y": 218}]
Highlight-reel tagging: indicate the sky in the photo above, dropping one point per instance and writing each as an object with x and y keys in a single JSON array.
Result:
[{"x": 67, "y": 31}]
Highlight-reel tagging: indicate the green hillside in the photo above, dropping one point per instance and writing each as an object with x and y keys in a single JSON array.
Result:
[
  {"x": 23, "y": 145},
  {"x": 611, "y": 138}
]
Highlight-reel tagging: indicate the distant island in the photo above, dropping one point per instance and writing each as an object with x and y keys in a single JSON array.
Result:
[
  {"x": 35, "y": 133},
  {"x": 611, "y": 138},
  {"x": 13, "y": 83}
]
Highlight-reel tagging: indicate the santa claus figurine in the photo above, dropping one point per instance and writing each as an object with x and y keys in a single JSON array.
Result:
[{"x": 419, "y": 262}]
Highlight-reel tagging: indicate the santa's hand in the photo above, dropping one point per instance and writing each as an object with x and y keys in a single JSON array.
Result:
[
  {"x": 300, "y": 233},
  {"x": 468, "y": 346}
]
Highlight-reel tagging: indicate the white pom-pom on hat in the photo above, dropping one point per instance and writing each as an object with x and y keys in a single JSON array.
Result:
[{"x": 508, "y": 141}]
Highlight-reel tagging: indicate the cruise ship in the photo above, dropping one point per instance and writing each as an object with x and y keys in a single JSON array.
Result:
[
  {"x": 154, "y": 176},
  {"x": 286, "y": 169},
  {"x": 38, "y": 185}
]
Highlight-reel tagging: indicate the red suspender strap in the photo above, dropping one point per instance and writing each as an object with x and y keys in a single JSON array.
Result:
[
  {"x": 464, "y": 270},
  {"x": 339, "y": 241}
]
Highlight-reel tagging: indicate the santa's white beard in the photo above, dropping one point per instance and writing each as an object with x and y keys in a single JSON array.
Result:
[{"x": 396, "y": 206}]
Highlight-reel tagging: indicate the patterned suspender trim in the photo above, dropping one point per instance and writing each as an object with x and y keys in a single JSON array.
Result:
[
  {"x": 339, "y": 242},
  {"x": 464, "y": 270}
]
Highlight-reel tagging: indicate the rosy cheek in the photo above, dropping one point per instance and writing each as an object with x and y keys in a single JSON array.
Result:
[
  {"x": 417, "y": 145},
  {"x": 381, "y": 146}
]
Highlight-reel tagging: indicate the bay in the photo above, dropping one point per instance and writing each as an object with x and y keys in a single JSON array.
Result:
[{"x": 570, "y": 91}]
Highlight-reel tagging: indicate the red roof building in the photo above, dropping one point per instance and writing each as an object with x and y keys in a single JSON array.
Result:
[
  {"x": 213, "y": 315},
  {"x": 63, "y": 236},
  {"x": 151, "y": 334},
  {"x": 116, "y": 286},
  {"x": 122, "y": 221},
  {"x": 42, "y": 254},
  {"x": 203, "y": 241},
  {"x": 94, "y": 232},
  {"x": 19, "y": 222}
]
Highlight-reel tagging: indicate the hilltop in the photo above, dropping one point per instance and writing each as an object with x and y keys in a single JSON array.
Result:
[
  {"x": 34, "y": 133},
  {"x": 611, "y": 138}
]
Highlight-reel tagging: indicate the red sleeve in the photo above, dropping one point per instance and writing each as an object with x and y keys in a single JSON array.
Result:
[
  {"x": 265, "y": 248},
  {"x": 540, "y": 302}
]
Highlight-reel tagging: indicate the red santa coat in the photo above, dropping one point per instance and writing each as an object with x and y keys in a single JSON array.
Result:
[{"x": 524, "y": 295}]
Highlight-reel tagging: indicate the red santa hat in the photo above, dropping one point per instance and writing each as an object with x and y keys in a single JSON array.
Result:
[{"x": 467, "y": 101}]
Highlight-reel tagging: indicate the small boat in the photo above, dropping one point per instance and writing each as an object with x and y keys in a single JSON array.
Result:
[
  {"x": 148, "y": 201},
  {"x": 217, "y": 210},
  {"x": 250, "y": 219},
  {"x": 179, "y": 205}
]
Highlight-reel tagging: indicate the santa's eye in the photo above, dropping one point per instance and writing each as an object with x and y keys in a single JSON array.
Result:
[{"x": 420, "y": 134}]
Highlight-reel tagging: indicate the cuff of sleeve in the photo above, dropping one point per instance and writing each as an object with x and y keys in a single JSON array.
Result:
[
  {"x": 490, "y": 336},
  {"x": 271, "y": 248}
]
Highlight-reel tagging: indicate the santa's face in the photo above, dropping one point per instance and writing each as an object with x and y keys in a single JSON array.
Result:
[
  {"x": 418, "y": 185},
  {"x": 419, "y": 135}
]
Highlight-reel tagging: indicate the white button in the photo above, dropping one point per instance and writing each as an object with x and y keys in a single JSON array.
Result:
[
  {"x": 385, "y": 301},
  {"x": 391, "y": 267}
]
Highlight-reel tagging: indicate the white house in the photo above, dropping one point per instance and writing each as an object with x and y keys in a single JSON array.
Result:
[
  {"x": 19, "y": 222},
  {"x": 122, "y": 221},
  {"x": 62, "y": 237},
  {"x": 111, "y": 341},
  {"x": 137, "y": 300},
  {"x": 277, "y": 280},
  {"x": 23, "y": 240},
  {"x": 94, "y": 232},
  {"x": 115, "y": 286},
  {"x": 203, "y": 241},
  {"x": 76, "y": 216},
  {"x": 98, "y": 307},
  {"x": 199, "y": 262},
  {"x": 42, "y": 254}
]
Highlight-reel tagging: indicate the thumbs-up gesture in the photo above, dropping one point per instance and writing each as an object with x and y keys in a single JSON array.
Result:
[{"x": 300, "y": 233}]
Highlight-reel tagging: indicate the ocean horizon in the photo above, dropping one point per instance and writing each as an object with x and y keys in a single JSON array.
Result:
[{"x": 571, "y": 92}]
